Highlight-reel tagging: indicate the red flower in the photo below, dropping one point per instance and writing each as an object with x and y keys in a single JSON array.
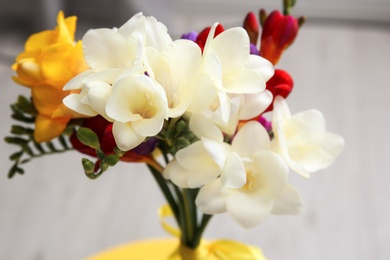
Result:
[
  {"x": 202, "y": 36},
  {"x": 279, "y": 31},
  {"x": 281, "y": 84},
  {"x": 103, "y": 129},
  {"x": 251, "y": 25}
]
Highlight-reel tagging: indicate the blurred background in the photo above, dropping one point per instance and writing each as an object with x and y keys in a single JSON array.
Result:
[{"x": 340, "y": 63}]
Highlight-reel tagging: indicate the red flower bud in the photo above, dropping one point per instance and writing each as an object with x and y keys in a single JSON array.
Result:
[
  {"x": 281, "y": 84},
  {"x": 251, "y": 25},
  {"x": 202, "y": 36},
  {"x": 279, "y": 32},
  {"x": 103, "y": 129}
]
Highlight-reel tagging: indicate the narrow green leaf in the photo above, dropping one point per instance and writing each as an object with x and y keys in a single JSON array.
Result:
[
  {"x": 16, "y": 156},
  {"x": 20, "y": 130},
  {"x": 62, "y": 141},
  {"x": 28, "y": 150},
  {"x": 26, "y": 105},
  {"x": 51, "y": 146},
  {"x": 39, "y": 147},
  {"x": 15, "y": 140}
]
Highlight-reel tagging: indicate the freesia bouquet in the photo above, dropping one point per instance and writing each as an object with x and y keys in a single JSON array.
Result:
[{"x": 206, "y": 113}]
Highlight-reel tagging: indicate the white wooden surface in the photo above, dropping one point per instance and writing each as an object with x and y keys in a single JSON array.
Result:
[{"x": 55, "y": 212}]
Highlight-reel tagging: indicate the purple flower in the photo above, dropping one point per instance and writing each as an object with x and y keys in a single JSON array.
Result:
[{"x": 190, "y": 36}]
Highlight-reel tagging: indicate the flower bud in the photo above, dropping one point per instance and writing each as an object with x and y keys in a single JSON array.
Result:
[
  {"x": 251, "y": 25},
  {"x": 281, "y": 84},
  {"x": 279, "y": 32}
]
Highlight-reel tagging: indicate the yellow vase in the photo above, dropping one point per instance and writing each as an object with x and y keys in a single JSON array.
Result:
[{"x": 170, "y": 249}]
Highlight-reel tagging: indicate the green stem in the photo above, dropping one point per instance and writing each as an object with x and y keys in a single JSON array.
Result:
[
  {"x": 162, "y": 183},
  {"x": 287, "y": 6},
  {"x": 199, "y": 232},
  {"x": 189, "y": 219}
]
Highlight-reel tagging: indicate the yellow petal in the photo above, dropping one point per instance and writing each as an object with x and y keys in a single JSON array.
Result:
[
  {"x": 47, "y": 99},
  {"x": 66, "y": 28},
  {"x": 55, "y": 65},
  {"x": 40, "y": 40},
  {"x": 47, "y": 128}
]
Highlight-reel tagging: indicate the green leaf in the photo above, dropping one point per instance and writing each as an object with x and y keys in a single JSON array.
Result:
[
  {"x": 26, "y": 105},
  {"x": 16, "y": 140},
  {"x": 39, "y": 147},
  {"x": 111, "y": 159},
  {"x": 20, "y": 130},
  {"x": 62, "y": 141},
  {"x": 88, "y": 137},
  {"x": 14, "y": 170},
  {"x": 51, "y": 146},
  {"x": 16, "y": 156}
]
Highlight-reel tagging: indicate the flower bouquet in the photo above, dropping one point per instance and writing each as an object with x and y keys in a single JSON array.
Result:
[{"x": 206, "y": 113}]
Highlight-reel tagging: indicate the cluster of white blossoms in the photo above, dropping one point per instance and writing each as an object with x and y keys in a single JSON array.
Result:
[{"x": 139, "y": 78}]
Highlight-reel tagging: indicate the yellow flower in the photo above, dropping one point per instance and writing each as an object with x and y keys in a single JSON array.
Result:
[{"x": 51, "y": 58}]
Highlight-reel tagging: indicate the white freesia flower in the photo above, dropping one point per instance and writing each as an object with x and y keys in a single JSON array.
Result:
[
  {"x": 138, "y": 107},
  {"x": 124, "y": 47},
  {"x": 110, "y": 53},
  {"x": 235, "y": 74},
  {"x": 177, "y": 69},
  {"x": 265, "y": 190},
  {"x": 205, "y": 160},
  {"x": 302, "y": 139}
]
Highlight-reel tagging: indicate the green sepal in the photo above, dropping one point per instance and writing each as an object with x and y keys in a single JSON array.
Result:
[
  {"x": 88, "y": 137},
  {"x": 111, "y": 159},
  {"x": 89, "y": 166}
]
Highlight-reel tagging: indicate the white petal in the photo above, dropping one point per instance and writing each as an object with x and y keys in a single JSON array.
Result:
[
  {"x": 97, "y": 96},
  {"x": 195, "y": 158},
  {"x": 133, "y": 24},
  {"x": 203, "y": 127},
  {"x": 78, "y": 81},
  {"x": 234, "y": 174},
  {"x": 106, "y": 48},
  {"x": 204, "y": 93},
  {"x": 232, "y": 48},
  {"x": 262, "y": 66},
  {"x": 125, "y": 137},
  {"x": 311, "y": 119},
  {"x": 250, "y": 139},
  {"x": 149, "y": 127},
  {"x": 199, "y": 178},
  {"x": 280, "y": 111},
  {"x": 108, "y": 75},
  {"x": 177, "y": 174},
  {"x": 178, "y": 76},
  {"x": 224, "y": 102},
  {"x": 248, "y": 210},
  {"x": 255, "y": 104},
  {"x": 74, "y": 102},
  {"x": 243, "y": 81},
  {"x": 288, "y": 202},
  {"x": 211, "y": 199},
  {"x": 217, "y": 151},
  {"x": 270, "y": 173},
  {"x": 333, "y": 144}
]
